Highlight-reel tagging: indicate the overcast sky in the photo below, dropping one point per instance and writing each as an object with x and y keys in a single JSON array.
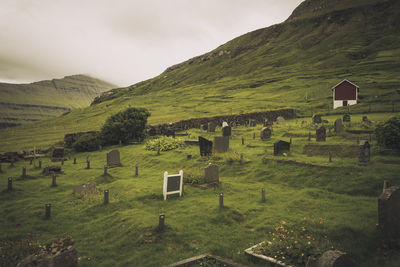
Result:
[{"x": 121, "y": 41}]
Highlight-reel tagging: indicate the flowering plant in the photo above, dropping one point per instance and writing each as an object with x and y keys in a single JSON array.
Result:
[{"x": 293, "y": 245}]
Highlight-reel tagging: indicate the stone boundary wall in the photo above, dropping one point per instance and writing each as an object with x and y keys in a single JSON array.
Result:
[{"x": 237, "y": 119}]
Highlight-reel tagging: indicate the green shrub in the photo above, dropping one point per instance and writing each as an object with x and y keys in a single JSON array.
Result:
[
  {"x": 388, "y": 133},
  {"x": 193, "y": 176},
  {"x": 86, "y": 142},
  {"x": 165, "y": 143},
  {"x": 126, "y": 125}
]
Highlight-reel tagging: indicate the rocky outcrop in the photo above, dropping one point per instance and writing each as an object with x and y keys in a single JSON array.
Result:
[{"x": 60, "y": 253}]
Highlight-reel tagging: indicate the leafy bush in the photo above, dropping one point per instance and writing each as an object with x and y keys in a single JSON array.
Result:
[
  {"x": 193, "y": 176},
  {"x": 126, "y": 125},
  {"x": 388, "y": 133},
  {"x": 86, "y": 142},
  {"x": 165, "y": 143}
]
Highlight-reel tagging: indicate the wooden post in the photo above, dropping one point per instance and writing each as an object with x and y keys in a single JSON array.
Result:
[
  {"x": 88, "y": 164},
  {"x": 106, "y": 196},
  {"x": 105, "y": 170},
  {"x": 290, "y": 140},
  {"x": 48, "y": 210},
  {"x": 23, "y": 172},
  {"x": 221, "y": 200},
  {"x": 263, "y": 194},
  {"x": 40, "y": 163},
  {"x": 136, "y": 170},
  {"x": 242, "y": 140},
  {"x": 54, "y": 183},
  {"x": 309, "y": 136},
  {"x": 9, "y": 184},
  {"x": 330, "y": 156},
  {"x": 74, "y": 160},
  {"x": 158, "y": 149},
  {"x": 161, "y": 221}
]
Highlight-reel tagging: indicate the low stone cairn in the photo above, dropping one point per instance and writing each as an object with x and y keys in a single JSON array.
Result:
[{"x": 58, "y": 253}]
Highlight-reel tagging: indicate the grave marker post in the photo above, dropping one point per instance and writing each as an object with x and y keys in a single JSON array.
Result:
[
  {"x": 54, "y": 177},
  {"x": 161, "y": 221},
  {"x": 74, "y": 160},
  {"x": 136, "y": 170},
  {"x": 106, "y": 196},
  {"x": 40, "y": 163},
  {"x": 242, "y": 140},
  {"x": 23, "y": 172},
  {"x": 263, "y": 194},
  {"x": 9, "y": 184},
  {"x": 221, "y": 200},
  {"x": 47, "y": 210},
  {"x": 88, "y": 164},
  {"x": 105, "y": 170}
]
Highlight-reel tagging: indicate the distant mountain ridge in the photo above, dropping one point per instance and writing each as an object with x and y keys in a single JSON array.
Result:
[{"x": 22, "y": 103}]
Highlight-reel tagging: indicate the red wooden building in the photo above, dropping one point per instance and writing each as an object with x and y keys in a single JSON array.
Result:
[{"x": 345, "y": 93}]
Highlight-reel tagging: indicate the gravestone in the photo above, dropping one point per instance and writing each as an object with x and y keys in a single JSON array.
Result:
[
  {"x": 338, "y": 125},
  {"x": 226, "y": 129},
  {"x": 265, "y": 133},
  {"x": 346, "y": 117},
  {"x": 80, "y": 190},
  {"x": 332, "y": 258},
  {"x": 389, "y": 213},
  {"x": 113, "y": 159},
  {"x": 364, "y": 155},
  {"x": 316, "y": 119},
  {"x": 366, "y": 122},
  {"x": 58, "y": 154},
  {"x": 173, "y": 184},
  {"x": 267, "y": 123},
  {"x": 252, "y": 123},
  {"x": 211, "y": 127},
  {"x": 320, "y": 134},
  {"x": 280, "y": 120},
  {"x": 205, "y": 146},
  {"x": 211, "y": 174},
  {"x": 50, "y": 169},
  {"x": 221, "y": 144},
  {"x": 280, "y": 147}
]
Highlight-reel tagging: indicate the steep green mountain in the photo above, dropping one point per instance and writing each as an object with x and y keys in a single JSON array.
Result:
[
  {"x": 22, "y": 103},
  {"x": 292, "y": 64}
]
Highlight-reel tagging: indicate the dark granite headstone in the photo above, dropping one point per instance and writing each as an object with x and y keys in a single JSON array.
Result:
[
  {"x": 346, "y": 117},
  {"x": 205, "y": 146},
  {"x": 221, "y": 143},
  {"x": 338, "y": 125},
  {"x": 320, "y": 134},
  {"x": 211, "y": 127},
  {"x": 280, "y": 147},
  {"x": 265, "y": 133},
  {"x": 113, "y": 159},
  {"x": 58, "y": 154},
  {"x": 389, "y": 213},
  {"x": 364, "y": 155},
  {"x": 211, "y": 174}
]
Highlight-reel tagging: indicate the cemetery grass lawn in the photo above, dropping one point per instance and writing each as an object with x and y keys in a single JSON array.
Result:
[{"x": 123, "y": 233}]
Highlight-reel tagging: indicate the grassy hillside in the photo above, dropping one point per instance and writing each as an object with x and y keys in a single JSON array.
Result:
[
  {"x": 293, "y": 64},
  {"x": 335, "y": 199},
  {"x": 23, "y": 103}
]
